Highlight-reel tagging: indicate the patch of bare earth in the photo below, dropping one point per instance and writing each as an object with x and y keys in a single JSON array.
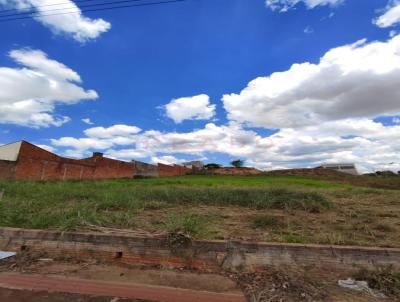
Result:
[
  {"x": 284, "y": 285},
  {"x": 14, "y": 295}
]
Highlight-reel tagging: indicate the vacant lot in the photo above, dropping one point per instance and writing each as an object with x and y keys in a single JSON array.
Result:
[{"x": 265, "y": 208}]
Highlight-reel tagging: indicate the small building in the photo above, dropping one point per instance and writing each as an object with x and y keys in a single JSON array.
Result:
[
  {"x": 195, "y": 164},
  {"x": 341, "y": 167}
]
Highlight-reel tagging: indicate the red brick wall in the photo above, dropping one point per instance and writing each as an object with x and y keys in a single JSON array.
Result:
[
  {"x": 230, "y": 255},
  {"x": 111, "y": 168},
  {"x": 36, "y": 163},
  {"x": 7, "y": 169},
  {"x": 166, "y": 170}
]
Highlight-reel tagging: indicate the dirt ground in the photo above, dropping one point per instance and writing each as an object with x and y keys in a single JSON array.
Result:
[
  {"x": 13, "y": 295},
  {"x": 358, "y": 218},
  {"x": 283, "y": 285}
]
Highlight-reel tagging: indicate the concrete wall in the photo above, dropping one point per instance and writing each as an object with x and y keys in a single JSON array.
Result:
[
  {"x": 229, "y": 255},
  {"x": 7, "y": 169},
  {"x": 146, "y": 170}
]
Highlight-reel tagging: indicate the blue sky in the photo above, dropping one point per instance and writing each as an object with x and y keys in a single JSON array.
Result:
[{"x": 164, "y": 82}]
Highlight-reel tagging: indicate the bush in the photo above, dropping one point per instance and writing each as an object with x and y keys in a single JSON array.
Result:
[
  {"x": 212, "y": 166},
  {"x": 190, "y": 224}
]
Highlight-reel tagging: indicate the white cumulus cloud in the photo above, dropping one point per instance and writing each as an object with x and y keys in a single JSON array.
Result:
[
  {"x": 113, "y": 131},
  {"x": 30, "y": 93},
  {"x": 369, "y": 144},
  {"x": 166, "y": 160},
  {"x": 74, "y": 23},
  {"x": 196, "y": 107},
  {"x": 285, "y": 5},
  {"x": 352, "y": 81},
  {"x": 391, "y": 16},
  {"x": 87, "y": 121}
]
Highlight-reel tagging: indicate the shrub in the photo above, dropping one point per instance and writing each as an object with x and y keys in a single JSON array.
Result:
[
  {"x": 193, "y": 225},
  {"x": 295, "y": 238}
]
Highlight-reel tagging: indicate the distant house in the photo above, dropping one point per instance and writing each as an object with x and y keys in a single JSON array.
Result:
[
  {"x": 341, "y": 167},
  {"x": 195, "y": 164}
]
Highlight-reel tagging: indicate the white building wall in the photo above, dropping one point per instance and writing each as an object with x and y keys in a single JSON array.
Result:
[{"x": 10, "y": 152}]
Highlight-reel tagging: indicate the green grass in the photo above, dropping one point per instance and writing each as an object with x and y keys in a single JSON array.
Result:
[
  {"x": 213, "y": 207},
  {"x": 264, "y": 221},
  {"x": 191, "y": 224},
  {"x": 296, "y": 238},
  {"x": 199, "y": 180},
  {"x": 69, "y": 205}
]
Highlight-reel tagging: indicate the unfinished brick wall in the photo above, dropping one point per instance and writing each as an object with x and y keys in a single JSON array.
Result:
[
  {"x": 230, "y": 255},
  {"x": 7, "y": 169},
  {"x": 168, "y": 171},
  {"x": 34, "y": 163},
  {"x": 144, "y": 169},
  {"x": 38, "y": 164},
  {"x": 111, "y": 168}
]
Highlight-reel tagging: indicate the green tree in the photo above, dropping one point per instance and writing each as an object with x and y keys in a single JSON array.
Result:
[
  {"x": 238, "y": 163},
  {"x": 212, "y": 166}
]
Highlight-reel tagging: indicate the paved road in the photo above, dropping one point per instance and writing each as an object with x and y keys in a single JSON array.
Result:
[{"x": 108, "y": 289}]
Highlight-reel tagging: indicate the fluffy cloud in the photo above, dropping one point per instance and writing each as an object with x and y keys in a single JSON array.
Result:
[
  {"x": 323, "y": 113},
  {"x": 127, "y": 154},
  {"x": 365, "y": 142},
  {"x": 357, "y": 80},
  {"x": 113, "y": 131},
  {"x": 101, "y": 138},
  {"x": 166, "y": 160},
  {"x": 196, "y": 107},
  {"x": 29, "y": 94},
  {"x": 391, "y": 16},
  {"x": 74, "y": 24},
  {"x": 47, "y": 147},
  {"x": 285, "y": 5},
  {"x": 87, "y": 121}
]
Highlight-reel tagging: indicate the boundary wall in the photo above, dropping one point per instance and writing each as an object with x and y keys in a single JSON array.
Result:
[
  {"x": 229, "y": 255},
  {"x": 35, "y": 163}
]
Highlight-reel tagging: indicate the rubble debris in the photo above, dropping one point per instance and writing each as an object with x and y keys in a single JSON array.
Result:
[
  {"x": 5, "y": 255},
  {"x": 272, "y": 285},
  {"x": 385, "y": 280},
  {"x": 361, "y": 286}
]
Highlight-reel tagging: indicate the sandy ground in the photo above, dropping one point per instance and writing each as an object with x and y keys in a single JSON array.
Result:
[
  {"x": 321, "y": 285},
  {"x": 13, "y": 295}
]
